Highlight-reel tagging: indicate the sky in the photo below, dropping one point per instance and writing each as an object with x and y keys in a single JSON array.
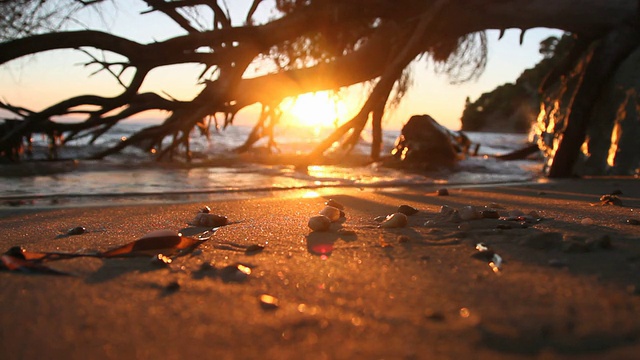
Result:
[{"x": 39, "y": 81}]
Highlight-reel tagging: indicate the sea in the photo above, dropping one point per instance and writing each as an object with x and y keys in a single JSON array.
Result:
[{"x": 219, "y": 173}]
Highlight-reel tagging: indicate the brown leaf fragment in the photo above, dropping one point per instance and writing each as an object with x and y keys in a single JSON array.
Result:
[
  {"x": 166, "y": 242},
  {"x": 13, "y": 263}
]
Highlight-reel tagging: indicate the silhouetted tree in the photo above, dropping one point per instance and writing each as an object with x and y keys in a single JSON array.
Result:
[{"x": 314, "y": 45}]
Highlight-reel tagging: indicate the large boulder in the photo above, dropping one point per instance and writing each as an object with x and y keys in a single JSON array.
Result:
[{"x": 424, "y": 144}]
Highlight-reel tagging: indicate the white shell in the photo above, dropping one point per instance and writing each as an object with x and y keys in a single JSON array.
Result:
[
  {"x": 330, "y": 212},
  {"x": 395, "y": 220},
  {"x": 319, "y": 223}
]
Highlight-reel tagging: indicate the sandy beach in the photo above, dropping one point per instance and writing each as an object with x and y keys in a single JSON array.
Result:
[{"x": 567, "y": 286}]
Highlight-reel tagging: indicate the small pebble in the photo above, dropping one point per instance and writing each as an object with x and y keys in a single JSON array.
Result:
[
  {"x": 332, "y": 213},
  {"x": 205, "y": 210},
  {"x": 16, "y": 252},
  {"x": 633, "y": 222},
  {"x": 78, "y": 230},
  {"x": 319, "y": 223},
  {"x": 407, "y": 210},
  {"x": 334, "y": 204},
  {"x": 586, "y": 221},
  {"x": 161, "y": 260},
  {"x": 489, "y": 214},
  {"x": 403, "y": 239},
  {"x": 210, "y": 220},
  {"x": 268, "y": 302},
  {"x": 442, "y": 192},
  {"x": 253, "y": 249}
]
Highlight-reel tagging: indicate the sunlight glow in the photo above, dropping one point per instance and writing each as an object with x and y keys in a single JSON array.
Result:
[{"x": 315, "y": 109}]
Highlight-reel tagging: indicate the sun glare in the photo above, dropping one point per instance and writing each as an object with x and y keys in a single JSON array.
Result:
[{"x": 316, "y": 110}]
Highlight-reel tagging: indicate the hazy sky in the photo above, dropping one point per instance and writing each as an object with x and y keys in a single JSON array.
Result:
[{"x": 38, "y": 81}]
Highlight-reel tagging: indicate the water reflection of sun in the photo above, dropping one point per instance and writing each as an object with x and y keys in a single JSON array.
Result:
[{"x": 315, "y": 109}]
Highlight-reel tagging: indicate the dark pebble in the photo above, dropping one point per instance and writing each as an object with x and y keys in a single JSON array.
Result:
[
  {"x": 407, "y": 210},
  {"x": 255, "y": 248},
  {"x": 633, "y": 222},
  {"x": 16, "y": 252},
  {"x": 442, "y": 192},
  {"x": 235, "y": 273},
  {"x": 489, "y": 214},
  {"x": 78, "y": 230}
]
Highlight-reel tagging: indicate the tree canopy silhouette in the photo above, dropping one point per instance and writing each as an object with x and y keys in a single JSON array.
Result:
[{"x": 312, "y": 45}]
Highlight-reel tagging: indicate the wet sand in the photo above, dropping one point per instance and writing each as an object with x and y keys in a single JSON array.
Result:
[{"x": 567, "y": 287}]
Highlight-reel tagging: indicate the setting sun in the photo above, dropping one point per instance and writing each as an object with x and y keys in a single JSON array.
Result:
[{"x": 315, "y": 109}]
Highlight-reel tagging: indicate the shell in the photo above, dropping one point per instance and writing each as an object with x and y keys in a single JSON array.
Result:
[
  {"x": 407, "y": 210},
  {"x": 334, "y": 204},
  {"x": 319, "y": 223},
  {"x": 380, "y": 218},
  {"x": 332, "y": 213},
  {"x": 210, "y": 220},
  {"x": 395, "y": 220}
]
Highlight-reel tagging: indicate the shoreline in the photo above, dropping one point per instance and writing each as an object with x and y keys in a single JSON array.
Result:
[
  {"x": 563, "y": 290},
  {"x": 55, "y": 201}
]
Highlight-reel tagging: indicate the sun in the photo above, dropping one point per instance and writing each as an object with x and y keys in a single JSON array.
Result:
[{"x": 315, "y": 110}]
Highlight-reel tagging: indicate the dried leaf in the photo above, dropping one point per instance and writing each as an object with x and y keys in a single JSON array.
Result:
[
  {"x": 166, "y": 242},
  {"x": 13, "y": 263}
]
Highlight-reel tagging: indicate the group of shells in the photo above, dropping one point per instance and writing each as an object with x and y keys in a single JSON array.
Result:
[{"x": 331, "y": 213}]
